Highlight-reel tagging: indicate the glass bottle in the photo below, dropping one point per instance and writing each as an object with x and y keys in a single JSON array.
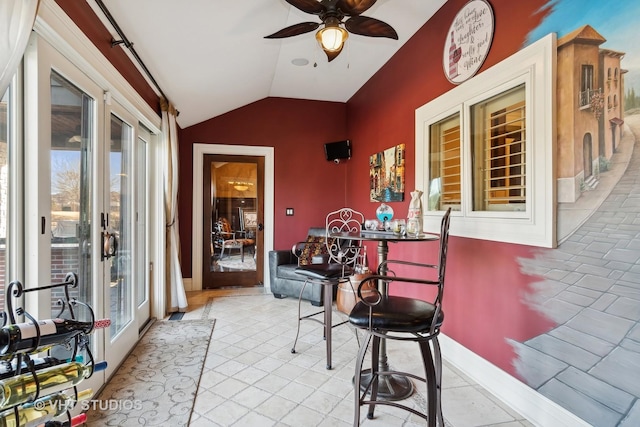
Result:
[
  {"x": 23, "y": 388},
  {"x": 362, "y": 263},
  {"x": 42, "y": 410},
  {"x": 9, "y": 368},
  {"x": 75, "y": 421},
  {"x": 23, "y": 337}
]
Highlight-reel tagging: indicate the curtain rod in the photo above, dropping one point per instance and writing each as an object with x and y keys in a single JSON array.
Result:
[{"x": 125, "y": 41}]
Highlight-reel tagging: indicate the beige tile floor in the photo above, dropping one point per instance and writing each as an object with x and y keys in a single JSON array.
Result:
[{"x": 252, "y": 379}]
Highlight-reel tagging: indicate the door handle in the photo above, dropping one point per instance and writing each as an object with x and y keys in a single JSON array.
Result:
[
  {"x": 260, "y": 227},
  {"x": 109, "y": 245},
  {"x": 108, "y": 240}
]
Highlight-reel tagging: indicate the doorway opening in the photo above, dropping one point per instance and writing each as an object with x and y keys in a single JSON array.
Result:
[
  {"x": 232, "y": 221},
  {"x": 201, "y": 240}
]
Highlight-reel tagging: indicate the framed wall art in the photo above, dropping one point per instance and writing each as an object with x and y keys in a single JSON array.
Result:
[
  {"x": 386, "y": 175},
  {"x": 249, "y": 219},
  {"x": 468, "y": 41}
]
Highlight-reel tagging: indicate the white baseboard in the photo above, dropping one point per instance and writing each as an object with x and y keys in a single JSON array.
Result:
[
  {"x": 535, "y": 407},
  {"x": 188, "y": 284}
]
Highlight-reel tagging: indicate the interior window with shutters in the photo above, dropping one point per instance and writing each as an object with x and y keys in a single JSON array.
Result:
[
  {"x": 499, "y": 152},
  {"x": 486, "y": 149},
  {"x": 445, "y": 179}
]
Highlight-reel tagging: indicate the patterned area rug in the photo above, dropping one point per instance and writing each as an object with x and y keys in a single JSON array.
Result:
[
  {"x": 159, "y": 378},
  {"x": 235, "y": 263}
]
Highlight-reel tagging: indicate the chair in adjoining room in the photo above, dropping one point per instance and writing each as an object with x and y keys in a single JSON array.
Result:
[
  {"x": 336, "y": 267},
  {"x": 389, "y": 317},
  {"x": 224, "y": 237}
]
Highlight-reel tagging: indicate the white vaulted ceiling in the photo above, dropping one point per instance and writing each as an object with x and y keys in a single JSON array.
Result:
[{"x": 210, "y": 56}]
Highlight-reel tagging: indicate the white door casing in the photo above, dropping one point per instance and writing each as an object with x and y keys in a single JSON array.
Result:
[{"x": 199, "y": 151}]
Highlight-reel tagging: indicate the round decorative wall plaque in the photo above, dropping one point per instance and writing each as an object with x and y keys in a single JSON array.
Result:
[{"x": 468, "y": 41}]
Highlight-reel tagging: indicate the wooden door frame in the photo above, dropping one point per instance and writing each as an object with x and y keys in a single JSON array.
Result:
[{"x": 199, "y": 151}]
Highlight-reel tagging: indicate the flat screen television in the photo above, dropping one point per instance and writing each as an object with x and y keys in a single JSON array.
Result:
[{"x": 338, "y": 150}]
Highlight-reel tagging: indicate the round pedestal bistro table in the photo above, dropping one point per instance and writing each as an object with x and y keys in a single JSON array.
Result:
[{"x": 392, "y": 387}]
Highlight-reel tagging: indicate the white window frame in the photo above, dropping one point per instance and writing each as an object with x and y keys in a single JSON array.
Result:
[
  {"x": 14, "y": 242},
  {"x": 535, "y": 66}
]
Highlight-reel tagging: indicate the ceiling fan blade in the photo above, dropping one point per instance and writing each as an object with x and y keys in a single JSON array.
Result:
[
  {"x": 307, "y": 6},
  {"x": 370, "y": 27},
  {"x": 354, "y": 7},
  {"x": 294, "y": 30}
]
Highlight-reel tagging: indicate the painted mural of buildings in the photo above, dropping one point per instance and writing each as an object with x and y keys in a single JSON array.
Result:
[
  {"x": 590, "y": 89},
  {"x": 589, "y": 278}
]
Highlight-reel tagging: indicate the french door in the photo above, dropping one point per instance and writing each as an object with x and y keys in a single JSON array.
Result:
[
  {"x": 117, "y": 236},
  {"x": 83, "y": 201}
]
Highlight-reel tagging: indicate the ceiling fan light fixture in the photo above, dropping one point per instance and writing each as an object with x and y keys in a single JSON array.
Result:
[
  {"x": 333, "y": 32},
  {"x": 332, "y": 38}
]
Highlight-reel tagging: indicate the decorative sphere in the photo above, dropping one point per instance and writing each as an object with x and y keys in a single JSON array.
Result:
[{"x": 384, "y": 212}]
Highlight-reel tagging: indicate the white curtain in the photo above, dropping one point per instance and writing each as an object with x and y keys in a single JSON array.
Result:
[
  {"x": 177, "y": 296},
  {"x": 16, "y": 23}
]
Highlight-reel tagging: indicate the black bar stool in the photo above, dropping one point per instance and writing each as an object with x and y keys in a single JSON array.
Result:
[
  {"x": 341, "y": 257},
  {"x": 407, "y": 319}
]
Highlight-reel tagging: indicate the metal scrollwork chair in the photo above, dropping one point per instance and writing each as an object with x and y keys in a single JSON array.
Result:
[
  {"x": 224, "y": 237},
  {"x": 341, "y": 255},
  {"x": 406, "y": 319}
]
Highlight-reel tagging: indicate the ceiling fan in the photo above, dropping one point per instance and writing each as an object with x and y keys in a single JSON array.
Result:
[{"x": 331, "y": 12}]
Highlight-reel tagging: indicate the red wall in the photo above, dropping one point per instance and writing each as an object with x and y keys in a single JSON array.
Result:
[
  {"x": 304, "y": 179},
  {"x": 485, "y": 288}
]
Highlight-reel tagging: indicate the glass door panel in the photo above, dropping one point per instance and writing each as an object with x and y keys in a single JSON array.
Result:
[
  {"x": 119, "y": 224},
  {"x": 62, "y": 132},
  {"x": 232, "y": 221},
  {"x": 141, "y": 244},
  {"x": 118, "y": 235},
  {"x": 72, "y": 113}
]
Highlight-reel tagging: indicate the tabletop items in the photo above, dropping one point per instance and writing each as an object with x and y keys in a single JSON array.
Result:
[
  {"x": 411, "y": 226},
  {"x": 399, "y": 227},
  {"x": 414, "y": 227},
  {"x": 414, "y": 216},
  {"x": 384, "y": 213}
]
